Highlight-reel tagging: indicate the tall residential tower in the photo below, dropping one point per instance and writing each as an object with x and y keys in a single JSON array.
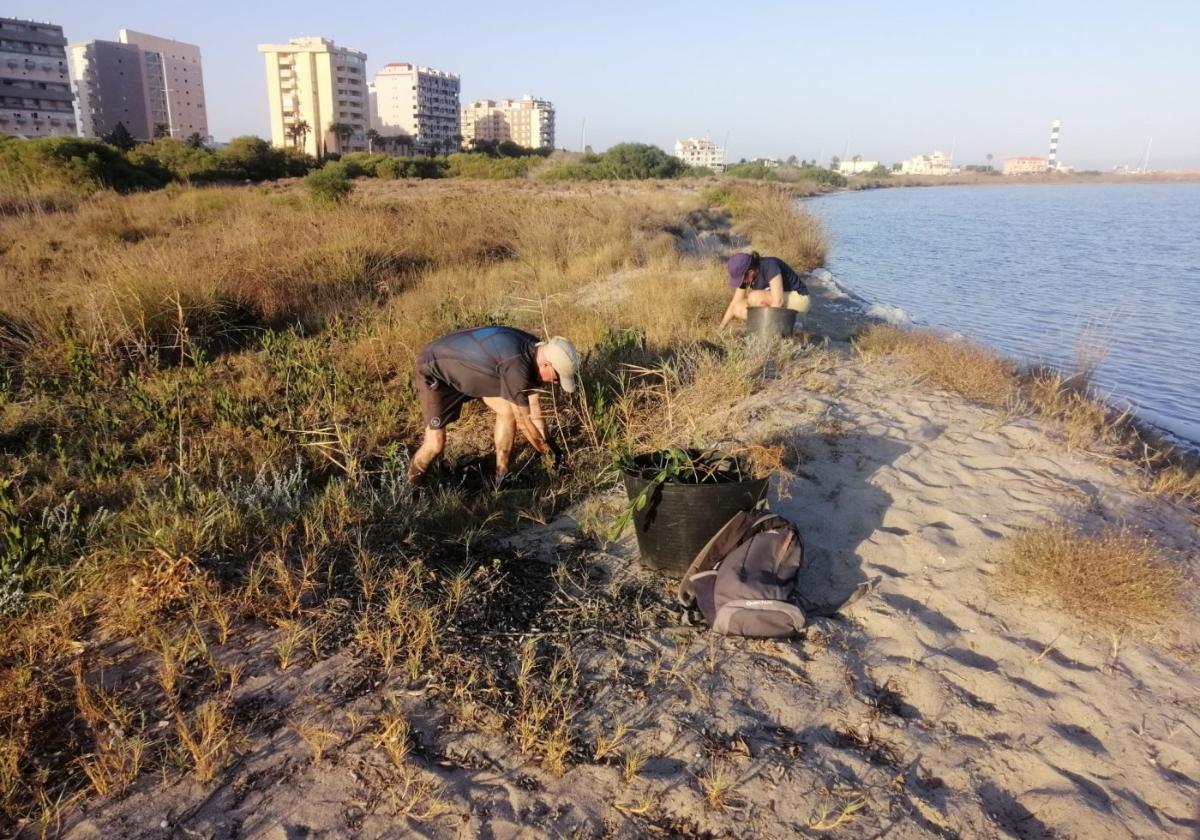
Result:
[
  {"x": 317, "y": 93},
  {"x": 175, "y": 84},
  {"x": 526, "y": 121},
  {"x": 420, "y": 103},
  {"x": 35, "y": 81},
  {"x": 153, "y": 86}
]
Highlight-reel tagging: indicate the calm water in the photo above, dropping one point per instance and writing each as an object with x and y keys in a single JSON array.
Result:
[{"x": 1038, "y": 271}]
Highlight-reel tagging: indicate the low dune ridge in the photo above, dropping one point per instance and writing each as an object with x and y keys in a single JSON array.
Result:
[
  {"x": 935, "y": 706},
  {"x": 258, "y": 629}
]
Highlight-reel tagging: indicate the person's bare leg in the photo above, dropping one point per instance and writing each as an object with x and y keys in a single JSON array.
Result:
[
  {"x": 431, "y": 447},
  {"x": 506, "y": 429}
]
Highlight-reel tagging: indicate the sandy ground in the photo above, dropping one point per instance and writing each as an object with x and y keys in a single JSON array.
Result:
[{"x": 930, "y": 708}]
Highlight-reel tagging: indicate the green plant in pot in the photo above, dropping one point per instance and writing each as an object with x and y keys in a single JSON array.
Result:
[{"x": 679, "y": 498}]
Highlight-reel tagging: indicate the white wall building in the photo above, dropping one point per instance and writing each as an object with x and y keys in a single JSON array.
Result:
[
  {"x": 700, "y": 151},
  {"x": 419, "y": 102},
  {"x": 934, "y": 164},
  {"x": 175, "y": 84},
  {"x": 527, "y": 121},
  {"x": 316, "y": 85},
  {"x": 856, "y": 167},
  {"x": 35, "y": 80}
]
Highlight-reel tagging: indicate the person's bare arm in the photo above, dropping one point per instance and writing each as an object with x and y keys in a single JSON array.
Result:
[
  {"x": 535, "y": 414},
  {"x": 530, "y": 431},
  {"x": 776, "y": 288},
  {"x": 739, "y": 296}
]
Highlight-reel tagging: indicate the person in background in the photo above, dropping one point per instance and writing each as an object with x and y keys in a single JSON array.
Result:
[
  {"x": 504, "y": 367},
  {"x": 763, "y": 281}
]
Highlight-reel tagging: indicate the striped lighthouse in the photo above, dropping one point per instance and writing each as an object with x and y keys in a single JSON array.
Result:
[{"x": 1052, "y": 161}]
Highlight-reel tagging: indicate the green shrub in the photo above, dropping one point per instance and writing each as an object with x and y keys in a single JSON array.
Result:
[
  {"x": 821, "y": 175},
  {"x": 329, "y": 184},
  {"x": 178, "y": 160},
  {"x": 255, "y": 159},
  {"x": 756, "y": 171},
  {"x": 359, "y": 164},
  {"x": 396, "y": 167},
  {"x": 622, "y": 162},
  {"x": 74, "y": 164},
  {"x": 468, "y": 165}
]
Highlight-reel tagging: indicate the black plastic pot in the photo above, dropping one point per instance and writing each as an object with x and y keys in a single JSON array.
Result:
[
  {"x": 770, "y": 321},
  {"x": 679, "y": 519}
]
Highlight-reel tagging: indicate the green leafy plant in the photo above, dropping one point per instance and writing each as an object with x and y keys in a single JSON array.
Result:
[{"x": 675, "y": 466}]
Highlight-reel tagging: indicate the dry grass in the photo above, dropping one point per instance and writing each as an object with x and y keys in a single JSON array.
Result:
[
  {"x": 1114, "y": 580},
  {"x": 205, "y": 413},
  {"x": 769, "y": 215},
  {"x": 206, "y": 739},
  {"x": 718, "y": 783},
  {"x": 958, "y": 366}
]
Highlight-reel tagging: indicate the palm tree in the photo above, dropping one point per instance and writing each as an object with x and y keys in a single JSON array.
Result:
[
  {"x": 372, "y": 139},
  {"x": 343, "y": 132},
  {"x": 989, "y": 160},
  {"x": 298, "y": 132}
]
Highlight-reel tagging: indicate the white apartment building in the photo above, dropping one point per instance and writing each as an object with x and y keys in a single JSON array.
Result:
[
  {"x": 700, "y": 151},
  {"x": 35, "y": 80},
  {"x": 419, "y": 102},
  {"x": 527, "y": 121},
  {"x": 175, "y": 84},
  {"x": 856, "y": 167},
  {"x": 315, "y": 87},
  {"x": 934, "y": 164}
]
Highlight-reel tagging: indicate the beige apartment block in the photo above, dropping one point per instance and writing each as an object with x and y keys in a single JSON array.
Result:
[
  {"x": 700, "y": 151},
  {"x": 1025, "y": 166},
  {"x": 35, "y": 80},
  {"x": 526, "y": 121},
  {"x": 934, "y": 164},
  {"x": 417, "y": 102},
  {"x": 313, "y": 83},
  {"x": 175, "y": 84}
]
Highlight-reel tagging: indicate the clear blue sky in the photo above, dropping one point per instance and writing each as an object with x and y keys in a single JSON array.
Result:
[{"x": 882, "y": 80}]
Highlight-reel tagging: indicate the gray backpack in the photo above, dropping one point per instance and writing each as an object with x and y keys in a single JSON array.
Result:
[{"x": 743, "y": 579}]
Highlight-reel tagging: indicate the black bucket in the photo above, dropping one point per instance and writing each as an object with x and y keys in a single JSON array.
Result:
[
  {"x": 679, "y": 519},
  {"x": 770, "y": 321}
]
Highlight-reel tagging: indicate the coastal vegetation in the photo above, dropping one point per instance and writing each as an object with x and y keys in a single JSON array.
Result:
[
  {"x": 1114, "y": 579},
  {"x": 204, "y": 416}
]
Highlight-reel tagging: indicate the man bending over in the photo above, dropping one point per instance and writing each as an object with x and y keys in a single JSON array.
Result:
[{"x": 503, "y": 366}]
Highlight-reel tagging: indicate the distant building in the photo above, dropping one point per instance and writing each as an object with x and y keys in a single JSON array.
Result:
[
  {"x": 153, "y": 86},
  {"x": 35, "y": 80},
  {"x": 531, "y": 121},
  {"x": 934, "y": 164},
  {"x": 110, "y": 79},
  {"x": 526, "y": 121},
  {"x": 1025, "y": 166},
  {"x": 175, "y": 84},
  {"x": 315, "y": 87},
  {"x": 700, "y": 151},
  {"x": 419, "y": 102},
  {"x": 856, "y": 167}
]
